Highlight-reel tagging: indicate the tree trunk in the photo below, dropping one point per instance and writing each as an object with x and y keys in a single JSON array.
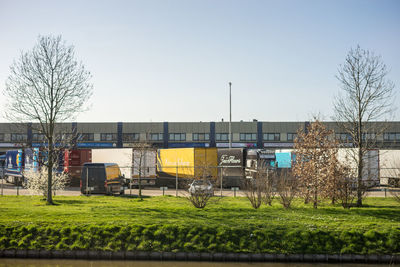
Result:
[
  {"x": 50, "y": 172},
  {"x": 140, "y": 176},
  {"x": 360, "y": 159},
  {"x": 315, "y": 197},
  {"x": 359, "y": 178}
]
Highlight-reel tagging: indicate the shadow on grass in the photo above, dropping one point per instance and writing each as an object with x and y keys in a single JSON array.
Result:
[
  {"x": 381, "y": 212},
  {"x": 133, "y": 196},
  {"x": 69, "y": 202}
]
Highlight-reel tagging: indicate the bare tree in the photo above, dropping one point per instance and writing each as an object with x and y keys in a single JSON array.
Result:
[
  {"x": 142, "y": 153},
  {"x": 367, "y": 96},
  {"x": 47, "y": 85}
]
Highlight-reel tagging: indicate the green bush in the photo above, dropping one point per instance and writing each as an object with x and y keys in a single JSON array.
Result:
[{"x": 200, "y": 238}]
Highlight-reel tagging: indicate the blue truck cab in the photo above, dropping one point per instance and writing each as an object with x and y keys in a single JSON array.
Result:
[{"x": 18, "y": 161}]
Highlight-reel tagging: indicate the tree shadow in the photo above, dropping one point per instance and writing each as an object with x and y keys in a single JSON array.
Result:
[{"x": 69, "y": 202}]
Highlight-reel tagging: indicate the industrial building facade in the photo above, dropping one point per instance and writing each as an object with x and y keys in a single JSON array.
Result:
[{"x": 254, "y": 134}]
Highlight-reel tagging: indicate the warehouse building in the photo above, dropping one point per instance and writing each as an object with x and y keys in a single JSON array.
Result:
[{"x": 251, "y": 134}]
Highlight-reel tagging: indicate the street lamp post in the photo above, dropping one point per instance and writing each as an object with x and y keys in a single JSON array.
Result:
[{"x": 230, "y": 115}]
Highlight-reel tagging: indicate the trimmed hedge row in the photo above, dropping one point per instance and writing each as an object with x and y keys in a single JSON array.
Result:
[{"x": 199, "y": 239}]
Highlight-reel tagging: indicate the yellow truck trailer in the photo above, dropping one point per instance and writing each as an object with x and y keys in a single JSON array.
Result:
[{"x": 188, "y": 162}]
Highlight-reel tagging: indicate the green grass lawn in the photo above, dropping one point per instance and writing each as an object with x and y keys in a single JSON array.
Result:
[
  {"x": 380, "y": 212},
  {"x": 229, "y": 224}
]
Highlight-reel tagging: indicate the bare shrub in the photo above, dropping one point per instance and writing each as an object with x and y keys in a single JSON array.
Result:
[
  {"x": 200, "y": 198},
  {"x": 287, "y": 187},
  {"x": 253, "y": 188},
  {"x": 347, "y": 191},
  {"x": 200, "y": 195},
  {"x": 269, "y": 187},
  {"x": 37, "y": 181}
]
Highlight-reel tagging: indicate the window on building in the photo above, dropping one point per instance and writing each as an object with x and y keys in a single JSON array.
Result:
[
  {"x": 65, "y": 137},
  {"x": 344, "y": 137},
  {"x": 18, "y": 137},
  {"x": 291, "y": 136},
  {"x": 130, "y": 137},
  {"x": 108, "y": 137},
  {"x": 86, "y": 137},
  {"x": 248, "y": 137},
  {"x": 391, "y": 136},
  {"x": 177, "y": 137},
  {"x": 156, "y": 137},
  {"x": 1, "y": 137},
  {"x": 272, "y": 136},
  {"x": 221, "y": 136},
  {"x": 201, "y": 137},
  {"x": 37, "y": 137},
  {"x": 369, "y": 136}
]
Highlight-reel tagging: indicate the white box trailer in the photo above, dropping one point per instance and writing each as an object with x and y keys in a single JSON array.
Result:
[
  {"x": 121, "y": 156},
  {"x": 147, "y": 160},
  {"x": 389, "y": 165},
  {"x": 129, "y": 160},
  {"x": 349, "y": 156}
]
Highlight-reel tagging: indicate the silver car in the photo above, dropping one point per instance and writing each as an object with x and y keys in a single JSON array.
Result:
[{"x": 201, "y": 187}]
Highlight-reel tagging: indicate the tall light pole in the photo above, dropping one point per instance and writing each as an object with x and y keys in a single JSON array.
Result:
[{"x": 230, "y": 115}]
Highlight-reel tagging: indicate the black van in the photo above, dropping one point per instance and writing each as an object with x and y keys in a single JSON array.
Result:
[{"x": 104, "y": 178}]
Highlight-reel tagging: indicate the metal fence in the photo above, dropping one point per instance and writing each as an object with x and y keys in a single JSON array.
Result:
[{"x": 179, "y": 177}]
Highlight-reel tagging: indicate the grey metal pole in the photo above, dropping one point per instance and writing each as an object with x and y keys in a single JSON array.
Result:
[
  {"x": 176, "y": 181},
  {"x": 2, "y": 181},
  {"x": 87, "y": 181},
  {"x": 221, "y": 180},
  {"x": 230, "y": 115}
]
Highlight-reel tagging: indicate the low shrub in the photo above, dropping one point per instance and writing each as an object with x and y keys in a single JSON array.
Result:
[{"x": 262, "y": 239}]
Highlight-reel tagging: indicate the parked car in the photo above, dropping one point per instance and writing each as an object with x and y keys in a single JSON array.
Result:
[{"x": 201, "y": 187}]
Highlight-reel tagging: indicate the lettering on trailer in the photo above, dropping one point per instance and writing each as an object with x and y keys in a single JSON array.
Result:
[
  {"x": 9, "y": 163},
  {"x": 174, "y": 163},
  {"x": 225, "y": 159}
]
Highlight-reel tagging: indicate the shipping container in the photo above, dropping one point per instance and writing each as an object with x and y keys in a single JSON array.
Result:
[
  {"x": 73, "y": 162},
  {"x": 231, "y": 166},
  {"x": 188, "y": 162},
  {"x": 389, "y": 166}
]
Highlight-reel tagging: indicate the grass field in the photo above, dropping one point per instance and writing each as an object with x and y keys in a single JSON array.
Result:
[{"x": 227, "y": 224}]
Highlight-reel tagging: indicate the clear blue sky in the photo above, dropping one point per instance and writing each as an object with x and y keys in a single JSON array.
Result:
[{"x": 172, "y": 60}]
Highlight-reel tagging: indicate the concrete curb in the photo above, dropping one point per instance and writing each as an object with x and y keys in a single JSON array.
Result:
[{"x": 197, "y": 256}]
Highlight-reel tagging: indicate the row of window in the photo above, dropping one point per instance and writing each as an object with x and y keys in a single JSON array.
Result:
[{"x": 131, "y": 137}]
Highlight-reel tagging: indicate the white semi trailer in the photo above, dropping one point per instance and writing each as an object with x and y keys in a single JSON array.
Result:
[
  {"x": 132, "y": 162},
  {"x": 389, "y": 164},
  {"x": 370, "y": 174}
]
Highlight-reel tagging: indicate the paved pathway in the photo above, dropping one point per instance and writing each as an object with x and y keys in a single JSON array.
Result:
[{"x": 9, "y": 189}]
